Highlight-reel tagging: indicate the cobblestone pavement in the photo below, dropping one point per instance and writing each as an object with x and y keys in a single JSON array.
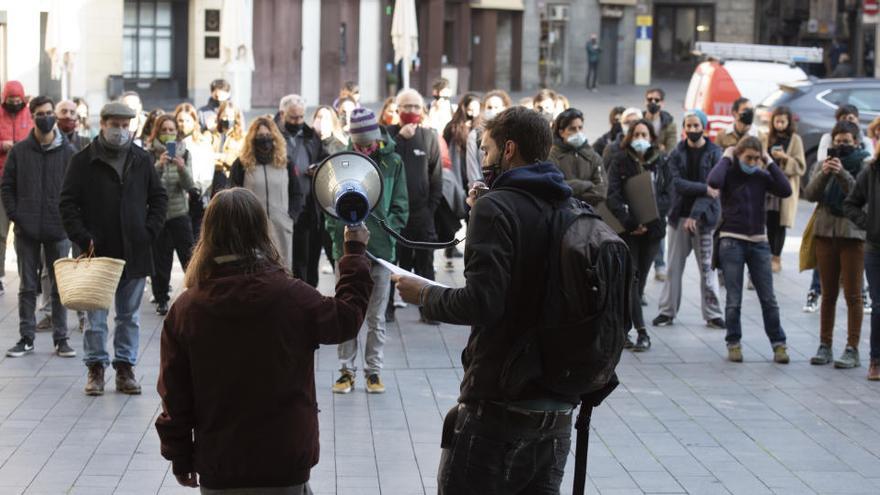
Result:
[{"x": 683, "y": 421}]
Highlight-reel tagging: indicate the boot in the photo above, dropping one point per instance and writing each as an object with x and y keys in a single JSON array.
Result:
[
  {"x": 95, "y": 385},
  {"x": 125, "y": 379}
]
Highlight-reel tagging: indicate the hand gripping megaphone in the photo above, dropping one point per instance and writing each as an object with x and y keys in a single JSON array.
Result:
[{"x": 348, "y": 186}]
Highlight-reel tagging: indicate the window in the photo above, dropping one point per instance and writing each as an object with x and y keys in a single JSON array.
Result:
[
  {"x": 834, "y": 97},
  {"x": 865, "y": 99},
  {"x": 147, "y": 39}
]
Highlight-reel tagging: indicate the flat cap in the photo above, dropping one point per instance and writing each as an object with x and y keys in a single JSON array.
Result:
[{"x": 117, "y": 109}]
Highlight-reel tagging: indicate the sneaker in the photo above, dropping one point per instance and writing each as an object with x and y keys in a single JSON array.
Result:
[
  {"x": 24, "y": 346},
  {"x": 660, "y": 274},
  {"x": 95, "y": 385},
  {"x": 126, "y": 382},
  {"x": 162, "y": 308},
  {"x": 735, "y": 353},
  {"x": 449, "y": 266},
  {"x": 644, "y": 300},
  {"x": 716, "y": 323},
  {"x": 344, "y": 384},
  {"x": 812, "y": 302},
  {"x": 780, "y": 354},
  {"x": 327, "y": 270},
  {"x": 374, "y": 384},
  {"x": 643, "y": 343},
  {"x": 662, "y": 321},
  {"x": 628, "y": 343},
  {"x": 63, "y": 349},
  {"x": 849, "y": 359},
  {"x": 45, "y": 323},
  {"x": 823, "y": 355},
  {"x": 874, "y": 370}
]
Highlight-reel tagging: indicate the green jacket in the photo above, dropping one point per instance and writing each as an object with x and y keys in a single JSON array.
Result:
[
  {"x": 176, "y": 184},
  {"x": 393, "y": 208}
]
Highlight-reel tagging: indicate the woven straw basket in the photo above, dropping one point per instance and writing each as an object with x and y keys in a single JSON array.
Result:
[{"x": 88, "y": 283}]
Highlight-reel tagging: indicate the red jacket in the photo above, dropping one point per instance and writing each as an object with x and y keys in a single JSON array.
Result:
[
  {"x": 237, "y": 371},
  {"x": 16, "y": 127}
]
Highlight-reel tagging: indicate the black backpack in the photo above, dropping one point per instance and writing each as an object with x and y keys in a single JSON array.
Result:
[{"x": 584, "y": 315}]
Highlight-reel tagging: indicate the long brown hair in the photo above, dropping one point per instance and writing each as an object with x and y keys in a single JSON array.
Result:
[
  {"x": 157, "y": 126},
  {"x": 237, "y": 130},
  {"x": 235, "y": 223},
  {"x": 248, "y": 160},
  {"x": 788, "y": 132}
]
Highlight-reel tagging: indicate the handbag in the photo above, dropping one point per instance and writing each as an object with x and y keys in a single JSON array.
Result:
[{"x": 807, "y": 258}]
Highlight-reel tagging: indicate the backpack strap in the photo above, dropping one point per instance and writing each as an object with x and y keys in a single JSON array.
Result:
[{"x": 582, "y": 425}]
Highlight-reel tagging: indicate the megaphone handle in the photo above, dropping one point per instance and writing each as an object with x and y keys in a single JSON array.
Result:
[{"x": 416, "y": 244}]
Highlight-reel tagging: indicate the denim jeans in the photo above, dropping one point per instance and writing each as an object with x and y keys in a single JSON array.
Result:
[
  {"x": 735, "y": 254},
  {"x": 30, "y": 260},
  {"x": 125, "y": 338},
  {"x": 815, "y": 285},
  {"x": 487, "y": 456},
  {"x": 375, "y": 321},
  {"x": 872, "y": 269}
]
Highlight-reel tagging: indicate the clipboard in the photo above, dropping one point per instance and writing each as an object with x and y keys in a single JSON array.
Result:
[{"x": 639, "y": 192}]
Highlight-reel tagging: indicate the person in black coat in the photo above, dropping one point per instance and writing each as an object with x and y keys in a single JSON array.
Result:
[
  {"x": 419, "y": 148},
  {"x": 113, "y": 204},
  {"x": 638, "y": 153},
  {"x": 304, "y": 150},
  {"x": 31, "y": 186}
]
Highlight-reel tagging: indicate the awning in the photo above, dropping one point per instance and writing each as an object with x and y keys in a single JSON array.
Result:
[{"x": 498, "y": 4}]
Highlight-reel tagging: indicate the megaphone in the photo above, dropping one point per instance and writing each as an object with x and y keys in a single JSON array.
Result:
[{"x": 348, "y": 186}]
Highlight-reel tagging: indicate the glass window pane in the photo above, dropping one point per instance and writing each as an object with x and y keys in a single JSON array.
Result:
[
  {"x": 163, "y": 57},
  {"x": 704, "y": 23},
  {"x": 128, "y": 56},
  {"x": 685, "y": 26},
  {"x": 146, "y": 32},
  {"x": 163, "y": 14},
  {"x": 130, "y": 16},
  {"x": 148, "y": 17},
  {"x": 663, "y": 25},
  {"x": 867, "y": 100},
  {"x": 145, "y": 57}
]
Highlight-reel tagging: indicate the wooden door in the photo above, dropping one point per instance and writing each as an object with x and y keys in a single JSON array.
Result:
[{"x": 277, "y": 51}]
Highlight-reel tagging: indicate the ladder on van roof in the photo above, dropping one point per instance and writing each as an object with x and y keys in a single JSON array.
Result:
[{"x": 770, "y": 53}]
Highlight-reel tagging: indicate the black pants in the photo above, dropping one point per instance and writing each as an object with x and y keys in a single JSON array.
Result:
[
  {"x": 196, "y": 212},
  {"x": 419, "y": 261},
  {"x": 592, "y": 74},
  {"x": 643, "y": 250},
  {"x": 308, "y": 239},
  {"x": 775, "y": 233},
  {"x": 175, "y": 236},
  {"x": 492, "y": 456}
]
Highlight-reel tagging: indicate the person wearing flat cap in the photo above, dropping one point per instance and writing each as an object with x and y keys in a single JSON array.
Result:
[{"x": 113, "y": 205}]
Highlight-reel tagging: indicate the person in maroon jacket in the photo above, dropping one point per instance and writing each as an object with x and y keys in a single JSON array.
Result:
[
  {"x": 15, "y": 125},
  {"x": 249, "y": 420}
]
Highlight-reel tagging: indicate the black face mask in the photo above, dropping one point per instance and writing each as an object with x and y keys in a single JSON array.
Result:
[
  {"x": 653, "y": 107},
  {"x": 13, "y": 108},
  {"x": 45, "y": 123},
  {"x": 224, "y": 125},
  {"x": 747, "y": 116},
  {"x": 293, "y": 129},
  {"x": 616, "y": 129},
  {"x": 264, "y": 148},
  {"x": 694, "y": 136},
  {"x": 845, "y": 150}
]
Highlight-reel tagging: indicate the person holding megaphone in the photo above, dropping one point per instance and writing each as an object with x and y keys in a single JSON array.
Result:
[{"x": 392, "y": 207}]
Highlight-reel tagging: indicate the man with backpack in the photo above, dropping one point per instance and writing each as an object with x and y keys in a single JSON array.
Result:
[{"x": 536, "y": 350}]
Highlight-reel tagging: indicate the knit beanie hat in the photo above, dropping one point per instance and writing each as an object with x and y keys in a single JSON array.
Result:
[
  {"x": 696, "y": 112},
  {"x": 364, "y": 128}
]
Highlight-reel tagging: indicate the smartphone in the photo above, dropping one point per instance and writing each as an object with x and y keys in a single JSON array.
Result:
[
  {"x": 833, "y": 153},
  {"x": 171, "y": 148},
  {"x": 480, "y": 191}
]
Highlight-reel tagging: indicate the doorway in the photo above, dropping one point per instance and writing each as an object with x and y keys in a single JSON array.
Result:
[
  {"x": 608, "y": 41},
  {"x": 676, "y": 29},
  {"x": 277, "y": 51}
]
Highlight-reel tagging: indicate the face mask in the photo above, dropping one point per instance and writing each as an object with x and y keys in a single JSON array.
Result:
[
  {"x": 616, "y": 128},
  {"x": 410, "y": 118},
  {"x": 493, "y": 171},
  {"x": 265, "y": 144},
  {"x": 747, "y": 116},
  {"x": 222, "y": 96},
  {"x": 845, "y": 150},
  {"x": 653, "y": 107},
  {"x": 167, "y": 138},
  {"x": 225, "y": 124},
  {"x": 489, "y": 114},
  {"x": 116, "y": 137},
  {"x": 13, "y": 107},
  {"x": 293, "y": 129},
  {"x": 45, "y": 124},
  {"x": 694, "y": 136},
  {"x": 577, "y": 140},
  {"x": 368, "y": 149},
  {"x": 640, "y": 145},
  {"x": 67, "y": 125},
  {"x": 747, "y": 169}
]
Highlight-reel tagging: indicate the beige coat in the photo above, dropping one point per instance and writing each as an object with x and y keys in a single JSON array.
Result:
[{"x": 794, "y": 167}]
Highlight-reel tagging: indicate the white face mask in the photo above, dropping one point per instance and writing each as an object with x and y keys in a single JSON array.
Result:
[
  {"x": 577, "y": 140},
  {"x": 489, "y": 114},
  {"x": 624, "y": 128},
  {"x": 117, "y": 136}
]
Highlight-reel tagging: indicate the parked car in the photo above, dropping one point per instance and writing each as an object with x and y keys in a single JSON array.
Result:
[
  {"x": 715, "y": 85},
  {"x": 813, "y": 103}
]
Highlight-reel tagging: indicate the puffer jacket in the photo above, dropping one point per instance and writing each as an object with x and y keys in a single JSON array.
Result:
[
  {"x": 31, "y": 187},
  {"x": 705, "y": 210},
  {"x": 13, "y": 127},
  {"x": 582, "y": 168}
]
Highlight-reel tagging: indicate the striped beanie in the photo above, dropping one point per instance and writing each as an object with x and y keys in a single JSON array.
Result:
[{"x": 363, "y": 127}]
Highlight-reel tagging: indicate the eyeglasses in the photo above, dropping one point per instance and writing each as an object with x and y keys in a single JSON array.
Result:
[{"x": 654, "y": 100}]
